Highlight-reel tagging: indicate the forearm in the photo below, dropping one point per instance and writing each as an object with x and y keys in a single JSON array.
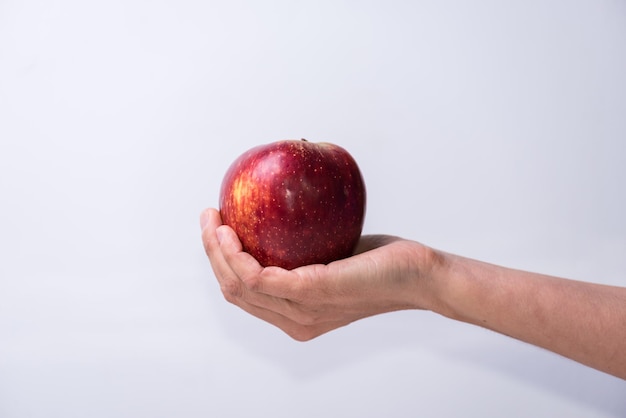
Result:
[{"x": 583, "y": 321}]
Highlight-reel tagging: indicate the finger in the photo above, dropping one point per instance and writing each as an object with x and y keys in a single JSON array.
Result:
[
  {"x": 230, "y": 285},
  {"x": 270, "y": 293},
  {"x": 247, "y": 271},
  {"x": 272, "y": 281},
  {"x": 229, "y": 262},
  {"x": 271, "y": 288},
  {"x": 294, "y": 285},
  {"x": 304, "y": 282},
  {"x": 241, "y": 263},
  {"x": 210, "y": 220},
  {"x": 296, "y": 330}
]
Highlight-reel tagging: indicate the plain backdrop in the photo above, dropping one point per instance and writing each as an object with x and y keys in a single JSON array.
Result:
[{"x": 495, "y": 130}]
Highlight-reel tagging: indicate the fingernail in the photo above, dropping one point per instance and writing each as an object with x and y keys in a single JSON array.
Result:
[{"x": 219, "y": 232}]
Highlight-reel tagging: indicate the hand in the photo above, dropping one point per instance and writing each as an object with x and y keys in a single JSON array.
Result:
[
  {"x": 385, "y": 274},
  {"x": 580, "y": 320}
]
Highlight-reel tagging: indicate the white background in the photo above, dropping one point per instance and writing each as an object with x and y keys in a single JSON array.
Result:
[{"x": 496, "y": 130}]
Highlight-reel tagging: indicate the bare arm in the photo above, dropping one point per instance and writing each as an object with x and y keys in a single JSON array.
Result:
[{"x": 582, "y": 321}]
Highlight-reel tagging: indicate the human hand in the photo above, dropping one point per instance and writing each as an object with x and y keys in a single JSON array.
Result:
[
  {"x": 385, "y": 274},
  {"x": 389, "y": 273}
]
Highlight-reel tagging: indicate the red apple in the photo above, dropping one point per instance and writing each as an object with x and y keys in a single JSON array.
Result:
[{"x": 294, "y": 203}]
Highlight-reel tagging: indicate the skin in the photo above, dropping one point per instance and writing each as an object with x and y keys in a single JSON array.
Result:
[{"x": 583, "y": 321}]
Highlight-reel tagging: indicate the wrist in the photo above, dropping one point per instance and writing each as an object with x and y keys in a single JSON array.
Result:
[
  {"x": 430, "y": 274},
  {"x": 445, "y": 276}
]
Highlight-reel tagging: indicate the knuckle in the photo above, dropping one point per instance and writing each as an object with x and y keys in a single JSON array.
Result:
[
  {"x": 252, "y": 282},
  {"x": 232, "y": 291}
]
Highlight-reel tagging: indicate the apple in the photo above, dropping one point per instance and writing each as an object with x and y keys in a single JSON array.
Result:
[{"x": 295, "y": 202}]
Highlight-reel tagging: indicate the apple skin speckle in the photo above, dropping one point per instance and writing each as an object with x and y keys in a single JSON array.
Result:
[{"x": 295, "y": 202}]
